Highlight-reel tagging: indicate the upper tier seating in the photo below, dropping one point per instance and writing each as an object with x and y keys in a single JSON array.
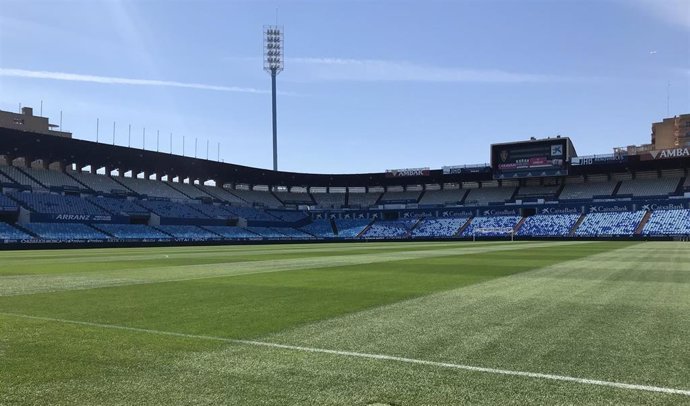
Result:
[
  {"x": 442, "y": 197},
  {"x": 350, "y": 228},
  {"x": 100, "y": 183},
  {"x": 389, "y": 229},
  {"x": 65, "y": 231},
  {"x": 50, "y": 178},
  {"x": 548, "y": 225},
  {"x": 222, "y": 194},
  {"x": 189, "y": 190},
  {"x": 251, "y": 213},
  {"x": 20, "y": 177},
  {"x": 118, "y": 206},
  {"x": 610, "y": 224},
  {"x": 213, "y": 211},
  {"x": 132, "y": 231},
  {"x": 57, "y": 204},
  {"x": 233, "y": 233},
  {"x": 4, "y": 180},
  {"x": 258, "y": 197},
  {"x": 170, "y": 209},
  {"x": 490, "y": 222},
  {"x": 7, "y": 232},
  {"x": 320, "y": 228},
  {"x": 668, "y": 222},
  {"x": 147, "y": 187},
  {"x": 442, "y": 227},
  {"x": 289, "y": 216},
  {"x": 484, "y": 196},
  {"x": 329, "y": 200},
  {"x": 7, "y": 204},
  {"x": 574, "y": 191},
  {"x": 527, "y": 192},
  {"x": 294, "y": 198},
  {"x": 649, "y": 187},
  {"x": 400, "y": 197},
  {"x": 362, "y": 199},
  {"x": 190, "y": 232}
]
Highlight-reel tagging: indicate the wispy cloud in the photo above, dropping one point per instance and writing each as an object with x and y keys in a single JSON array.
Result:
[
  {"x": 675, "y": 12},
  {"x": 371, "y": 70},
  {"x": 110, "y": 80}
]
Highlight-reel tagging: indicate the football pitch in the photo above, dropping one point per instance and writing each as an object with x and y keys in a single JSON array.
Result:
[{"x": 348, "y": 324}]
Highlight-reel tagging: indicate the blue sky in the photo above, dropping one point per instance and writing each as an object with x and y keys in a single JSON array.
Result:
[{"x": 367, "y": 86}]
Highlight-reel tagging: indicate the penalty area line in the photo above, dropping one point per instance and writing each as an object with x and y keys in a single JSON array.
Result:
[{"x": 379, "y": 357}]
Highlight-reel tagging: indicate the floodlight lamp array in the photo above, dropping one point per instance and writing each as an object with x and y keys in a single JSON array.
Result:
[{"x": 273, "y": 49}]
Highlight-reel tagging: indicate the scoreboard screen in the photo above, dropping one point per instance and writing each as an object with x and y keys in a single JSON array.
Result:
[{"x": 531, "y": 158}]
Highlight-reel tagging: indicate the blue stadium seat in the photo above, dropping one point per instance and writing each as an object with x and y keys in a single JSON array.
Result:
[
  {"x": 65, "y": 231},
  {"x": 610, "y": 224},
  {"x": 548, "y": 225}
]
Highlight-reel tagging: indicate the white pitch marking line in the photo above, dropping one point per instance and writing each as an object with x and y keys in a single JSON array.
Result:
[{"x": 380, "y": 357}]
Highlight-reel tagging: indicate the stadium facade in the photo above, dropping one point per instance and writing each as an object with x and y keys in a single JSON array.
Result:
[{"x": 531, "y": 189}]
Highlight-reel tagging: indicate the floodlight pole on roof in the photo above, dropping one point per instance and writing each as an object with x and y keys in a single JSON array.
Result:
[{"x": 273, "y": 64}]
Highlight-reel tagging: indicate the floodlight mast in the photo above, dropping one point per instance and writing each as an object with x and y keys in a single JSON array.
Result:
[{"x": 273, "y": 64}]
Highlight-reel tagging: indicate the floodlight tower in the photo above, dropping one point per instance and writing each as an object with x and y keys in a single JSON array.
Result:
[{"x": 273, "y": 64}]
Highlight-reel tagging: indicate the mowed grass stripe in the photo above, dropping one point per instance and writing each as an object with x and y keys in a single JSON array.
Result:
[
  {"x": 377, "y": 357},
  {"x": 595, "y": 316},
  {"x": 32, "y": 283},
  {"x": 252, "y": 305}
]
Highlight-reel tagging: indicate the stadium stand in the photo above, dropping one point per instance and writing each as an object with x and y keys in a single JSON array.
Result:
[
  {"x": 100, "y": 183},
  {"x": 151, "y": 188},
  {"x": 533, "y": 192},
  {"x": 610, "y": 224},
  {"x": 5, "y": 181},
  {"x": 188, "y": 190},
  {"x": 222, "y": 194},
  {"x": 484, "y": 196},
  {"x": 319, "y": 228},
  {"x": 439, "y": 228},
  {"x": 649, "y": 187},
  {"x": 132, "y": 231},
  {"x": 256, "y": 197},
  {"x": 382, "y": 229},
  {"x": 548, "y": 225},
  {"x": 20, "y": 178},
  {"x": 119, "y": 206},
  {"x": 213, "y": 210},
  {"x": 7, "y": 232},
  {"x": 189, "y": 232},
  {"x": 442, "y": 197},
  {"x": 350, "y": 228},
  {"x": 7, "y": 204},
  {"x": 294, "y": 198},
  {"x": 668, "y": 222},
  {"x": 57, "y": 204},
  {"x": 580, "y": 191},
  {"x": 290, "y": 216},
  {"x": 293, "y": 233},
  {"x": 251, "y": 213},
  {"x": 362, "y": 199},
  {"x": 268, "y": 232},
  {"x": 329, "y": 200},
  {"x": 65, "y": 231},
  {"x": 400, "y": 197},
  {"x": 170, "y": 209},
  {"x": 232, "y": 232},
  {"x": 490, "y": 222},
  {"x": 53, "y": 179}
]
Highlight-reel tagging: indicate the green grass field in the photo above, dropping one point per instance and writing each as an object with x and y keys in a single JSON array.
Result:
[{"x": 348, "y": 324}]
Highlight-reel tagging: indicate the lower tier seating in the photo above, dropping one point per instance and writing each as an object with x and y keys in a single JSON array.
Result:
[
  {"x": 548, "y": 225},
  {"x": 444, "y": 227},
  {"x": 668, "y": 222},
  {"x": 610, "y": 224}
]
